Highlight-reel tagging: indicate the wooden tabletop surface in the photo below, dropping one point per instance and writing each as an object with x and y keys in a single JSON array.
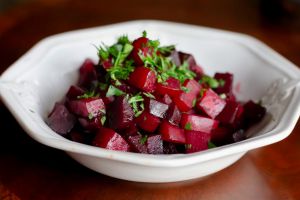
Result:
[{"x": 31, "y": 171}]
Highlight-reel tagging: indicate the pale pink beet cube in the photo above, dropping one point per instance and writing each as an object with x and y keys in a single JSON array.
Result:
[
  {"x": 198, "y": 123},
  {"x": 87, "y": 107},
  {"x": 155, "y": 144}
]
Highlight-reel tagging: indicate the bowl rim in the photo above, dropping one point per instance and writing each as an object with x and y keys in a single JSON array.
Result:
[{"x": 33, "y": 127}]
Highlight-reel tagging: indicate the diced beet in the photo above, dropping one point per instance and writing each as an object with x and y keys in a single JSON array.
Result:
[
  {"x": 175, "y": 58},
  {"x": 197, "y": 69},
  {"x": 60, "y": 119},
  {"x": 131, "y": 130},
  {"x": 189, "y": 58},
  {"x": 109, "y": 139},
  {"x": 196, "y": 141},
  {"x": 171, "y": 133},
  {"x": 169, "y": 148},
  {"x": 198, "y": 123},
  {"x": 148, "y": 122},
  {"x": 221, "y": 135},
  {"x": 108, "y": 100},
  {"x": 231, "y": 114},
  {"x": 174, "y": 114},
  {"x": 226, "y": 88},
  {"x": 155, "y": 144},
  {"x": 210, "y": 103},
  {"x": 126, "y": 88},
  {"x": 239, "y": 135},
  {"x": 253, "y": 113},
  {"x": 136, "y": 144},
  {"x": 74, "y": 92},
  {"x": 90, "y": 125},
  {"x": 143, "y": 78},
  {"x": 166, "y": 99},
  {"x": 87, "y": 72},
  {"x": 107, "y": 64},
  {"x": 77, "y": 136},
  {"x": 170, "y": 87},
  {"x": 184, "y": 101},
  {"x": 139, "y": 45},
  {"x": 119, "y": 113},
  {"x": 87, "y": 107},
  {"x": 156, "y": 108}
]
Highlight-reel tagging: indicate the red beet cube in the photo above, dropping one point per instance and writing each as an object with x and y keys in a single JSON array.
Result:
[
  {"x": 198, "y": 123},
  {"x": 156, "y": 108},
  {"x": 109, "y": 139},
  {"x": 170, "y": 87},
  {"x": 140, "y": 45},
  {"x": 174, "y": 114},
  {"x": 155, "y": 144},
  {"x": 136, "y": 144},
  {"x": 119, "y": 113},
  {"x": 74, "y": 92},
  {"x": 87, "y": 73},
  {"x": 148, "y": 122},
  {"x": 61, "y": 120},
  {"x": 143, "y": 78},
  {"x": 171, "y": 133},
  {"x": 166, "y": 99},
  {"x": 253, "y": 113},
  {"x": 226, "y": 87},
  {"x": 90, "y": 125},
  {"x": 77, "y": 136},
  {"x": 231, "y": 114},
  {"x": 131, "y": 130},
  {"x": 184, "y": 100},
  {"x": 87, "y": 107},
  {"x": 196, "y": 141},
  {"x": 210, "y": 103}
]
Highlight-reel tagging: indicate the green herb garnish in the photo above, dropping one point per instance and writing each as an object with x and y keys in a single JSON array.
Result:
[
  {"x": 90, "y": 116},
  {"x": 143, "y": 139},
  {"x": 222, "y": 96},
  {"x": 211, "y": 145},
  {"x": 103, "y": 119},
  {"x": 185, "y": 89},
  {"x": 188, "y": 126},
  {"x": 212, "y": 82},
  {"x": 113, "y": 91},
  {"x": 137, "y": 104},
  {"x": 88, "y": 94},
  {"x": 148, "y": 94},
  {"x": 166, "y": 49}
]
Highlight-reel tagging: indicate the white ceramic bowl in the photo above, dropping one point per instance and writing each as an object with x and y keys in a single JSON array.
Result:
[{"x": 32, "y": 85}]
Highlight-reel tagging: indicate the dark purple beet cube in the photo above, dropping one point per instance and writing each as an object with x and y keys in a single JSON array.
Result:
[
  {"x": 155, "y": 144},
  {"x": 87, "y": 73},
  {"x": 253, "y": 113},
  {"x": 226, "y": 80},
  {"x": 74, "y": 91},
  {"x": 120, "y": 113},
  {"x": 169, "y": 148},
  {"x": 91, "y": 125},
  {"x": 174, "y": 114},
  {"x": 232, "y": 114},
  {"x": 60, "y": 119}
]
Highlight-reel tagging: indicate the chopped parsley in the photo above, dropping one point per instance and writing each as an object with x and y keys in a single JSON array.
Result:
[
  {"x": 194, "y": 102},
  {"x": 102, "y": 86},
  {"x": 113, "y": 91},
  {"x": 166, "y": 49},
  {"x": 90, "y": 116},
  {"x": 211, "y": 145},
  {"x": 137, "y": 104},
  {"x": 222, "y": 96},
  {"x": 188, "y": 126},
  {"x": 103, "y": 119},
  {"x": 185, "y": 89},
  {"x": 212, "y": 82},
  {"x": 88, "y": 94},
  {"x": 143, "y": 139},
  {"x": 148, "y": 94}
]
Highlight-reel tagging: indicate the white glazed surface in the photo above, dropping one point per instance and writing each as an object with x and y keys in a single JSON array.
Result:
[{"x": 31, "y": 86}]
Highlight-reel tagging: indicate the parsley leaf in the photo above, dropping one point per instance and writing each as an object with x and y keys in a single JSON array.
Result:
[
  {"x": 88, "y": 94},
  {"x": 188, "y": 126},
  {"x": 212, "y": 82},
  {"x": 102, "y": 86},
  {"x": 222, "y": 96},
  {"x": 144, "y": 33},
  {"x": 103, "y": 119},
  {"x": 166, "y": 49},
  {"x": 137, "y": 104},
  {"x": 148, "y": 94},
  {"x": 211, "y": 145},
  {"x": 185, "y": 89},
  {"x": 143, "y": 139},
  {"x": 90, "y": 116},
  {"x": 124, "y": 40},
  {"x": 113, "y": 91}
]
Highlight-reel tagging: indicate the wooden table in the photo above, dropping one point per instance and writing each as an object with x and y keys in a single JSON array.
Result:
[{"x": 29, "y": 170}]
